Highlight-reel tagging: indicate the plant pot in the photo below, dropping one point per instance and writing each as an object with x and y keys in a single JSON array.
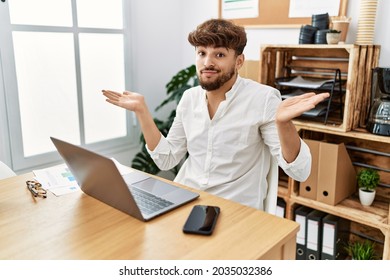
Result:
[
  {"x": 341, "y": 26},
  {"x": 366, "y": 197},
  {"x": 333, "y": 38}
]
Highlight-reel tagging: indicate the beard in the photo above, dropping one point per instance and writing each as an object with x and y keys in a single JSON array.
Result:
[{"x": 219, "y": 82}]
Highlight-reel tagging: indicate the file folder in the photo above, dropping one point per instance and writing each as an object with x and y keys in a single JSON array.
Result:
[
  {"x": 314, "y": 235},
  {"x": 280, "y": 208},
  {"x": 334, "y": 236},
  {"x": 301, "y": 214},
  {"x": 336, "y": 174}
]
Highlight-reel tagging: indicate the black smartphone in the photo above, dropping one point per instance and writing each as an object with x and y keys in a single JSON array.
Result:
[{"x": 202, "y": 219}]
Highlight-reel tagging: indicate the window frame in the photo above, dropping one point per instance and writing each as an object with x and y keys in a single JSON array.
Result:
[{"x": 11, "y": 100}]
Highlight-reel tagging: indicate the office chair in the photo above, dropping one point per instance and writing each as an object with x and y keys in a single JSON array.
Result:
[
  {"x": 270, "y": 200},
  {"x": 5, "y": 171}
]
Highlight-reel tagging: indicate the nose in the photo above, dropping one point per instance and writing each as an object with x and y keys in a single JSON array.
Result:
[{"x": 208, "y": 61}]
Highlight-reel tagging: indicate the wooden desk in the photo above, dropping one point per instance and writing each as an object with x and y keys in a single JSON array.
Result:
[{"x": 77, "y": 226}]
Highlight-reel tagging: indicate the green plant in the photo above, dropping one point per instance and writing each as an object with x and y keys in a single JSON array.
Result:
[
  {"x": 183, "y": 80},
  {"x": 334, "y": 31},
  {"x": 361, "y": 250},
  {"x": 368, "y": 179}
]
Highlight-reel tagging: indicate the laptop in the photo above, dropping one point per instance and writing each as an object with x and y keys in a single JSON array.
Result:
[{"x": 137, "y": 193}]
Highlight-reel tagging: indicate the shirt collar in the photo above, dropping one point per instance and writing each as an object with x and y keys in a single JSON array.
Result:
[{"x": 232, "y": 92}]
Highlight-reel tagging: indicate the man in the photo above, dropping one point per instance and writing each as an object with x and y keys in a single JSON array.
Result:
[{"x": 230, "y": 126}]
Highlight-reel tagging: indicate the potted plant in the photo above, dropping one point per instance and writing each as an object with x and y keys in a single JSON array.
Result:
[
  {"x": 368, "y": 180},
  {"x": 333, "y": 36},
  {"x": 361, "y": 250},
  {"x": 183, "y": 80}
]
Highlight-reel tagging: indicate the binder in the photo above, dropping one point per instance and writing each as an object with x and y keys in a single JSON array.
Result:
[
  {"x": 301, "y": 214},
  {"x": 334, "y": 237},
  {"x": 280, "y": 208},
  {"x": 308, "y": 188},
  {"x": 314, "y": 235}
]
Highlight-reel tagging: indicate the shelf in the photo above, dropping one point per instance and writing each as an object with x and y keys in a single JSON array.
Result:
[
  {"x": 351, "y": 209},
  {"x": 283, "y": 191},
  {"x": 362, "y": 134}
]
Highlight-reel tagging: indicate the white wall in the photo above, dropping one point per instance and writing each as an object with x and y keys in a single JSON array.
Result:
[
  {"x": 194, "y": 13},
  {"x": 155, "y": 34},
  {"x": 382, "y": 36}
]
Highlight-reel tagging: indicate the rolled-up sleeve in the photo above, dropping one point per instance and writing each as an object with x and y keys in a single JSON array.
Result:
[
  {"x": 300, "y": 168},
  {"x": 162, "y": 149}
]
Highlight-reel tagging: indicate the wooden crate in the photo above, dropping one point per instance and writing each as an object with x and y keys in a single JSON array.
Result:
[
  {"x": 365, "y": 150},
  {"x": 354, "y": 61}
]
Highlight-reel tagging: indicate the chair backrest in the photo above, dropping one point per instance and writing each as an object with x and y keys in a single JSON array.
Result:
[
  {"x": 273, "y": 183},
  {"x": 5, "y": 171}
]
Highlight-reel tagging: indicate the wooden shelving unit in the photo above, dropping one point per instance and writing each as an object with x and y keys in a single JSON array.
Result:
[
  {"x": 375, "y": 216},
  {"x": 356, "y": 63}
]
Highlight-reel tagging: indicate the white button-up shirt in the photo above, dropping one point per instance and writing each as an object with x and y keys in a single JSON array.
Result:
[{"x": 229, "y": 155}]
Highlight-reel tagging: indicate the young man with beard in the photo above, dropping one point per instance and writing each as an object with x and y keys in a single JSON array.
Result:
[{"x": 230, "y": 126}]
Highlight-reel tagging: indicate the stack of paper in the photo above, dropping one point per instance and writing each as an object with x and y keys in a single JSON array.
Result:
[{"x": 304, "y": 83}]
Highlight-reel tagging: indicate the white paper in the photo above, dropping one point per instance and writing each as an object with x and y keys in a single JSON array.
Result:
[
  {"x": 307, "y": 8},
  {"x": 304, "y": 83},
  {"x": 55, "y": 176},
  {"x": 240, "y": 9},
  {"x": 123, "y": 169},
  {"x": 61, "y": 190}
]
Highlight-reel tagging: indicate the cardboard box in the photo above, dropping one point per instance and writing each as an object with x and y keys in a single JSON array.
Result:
[
  {"x": 336, "y": 174},
  {"x": 250, "y": 70},
  {"x": 308, "y": 188}
]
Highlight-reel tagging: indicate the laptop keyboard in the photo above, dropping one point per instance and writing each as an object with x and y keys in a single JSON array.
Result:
[{"x": 147, "y": 202}]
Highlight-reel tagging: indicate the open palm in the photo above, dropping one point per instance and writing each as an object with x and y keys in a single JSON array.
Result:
[
  {"x": 293, "y": 107},
  {"x": 128, "y": 100}
]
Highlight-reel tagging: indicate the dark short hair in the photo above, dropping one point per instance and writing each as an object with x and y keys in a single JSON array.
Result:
[{"x": 219, "y": 33}]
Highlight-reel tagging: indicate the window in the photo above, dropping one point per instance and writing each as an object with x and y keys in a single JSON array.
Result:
[{"x": 56, "y": 58}]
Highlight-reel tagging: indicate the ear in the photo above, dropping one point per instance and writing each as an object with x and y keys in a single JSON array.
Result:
[{"x": 240, "y": 61}]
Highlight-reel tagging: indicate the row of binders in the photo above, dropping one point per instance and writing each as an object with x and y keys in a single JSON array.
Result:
[{"x": 321, "y": 236}]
